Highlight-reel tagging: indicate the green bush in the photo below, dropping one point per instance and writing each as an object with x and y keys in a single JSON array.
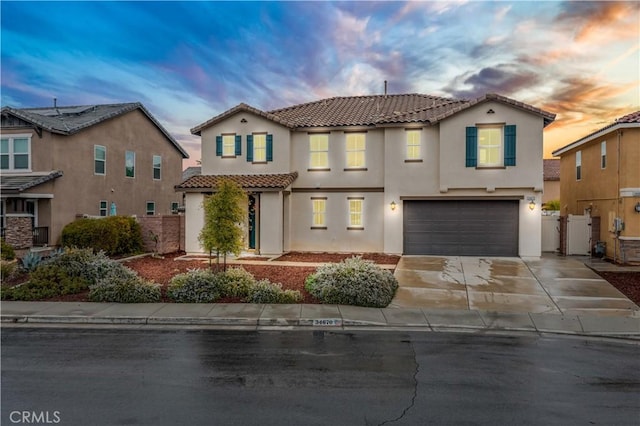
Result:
[
  {"x": 236, "y": 282},
  {"x": 122, "y": 285},
  {"x": 7, "y": 269},
  {"x": 195, "y": 286},
  {"x": 85, "y": 263},
  {"x": 115, "y": 235},
  {"x": 45, "y": 282},
  {"x": 353, "y": 281},
  {"x": 6, "y": 251},
  {"x": 264, "y": 291}
]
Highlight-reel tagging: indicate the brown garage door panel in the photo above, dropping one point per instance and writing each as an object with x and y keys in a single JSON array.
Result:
[{"x": 461, "y": 227}]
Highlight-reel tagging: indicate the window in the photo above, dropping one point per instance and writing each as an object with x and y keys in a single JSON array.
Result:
[
  {"x": 319, "y": 151},
  {"x": 157, "y": 167},
  {"x": 489, "y": 147},
  {"x": 130, "y": 164},
  {"x": 413, "y": 145},
  {"x": 174, "y": 207},
  {"x": 603, "y": 155},
  {"x": 319, "y": 206},
  {"x": 355, "y": 213},
  {"x": 99, "y": 160},
  {"x": 15, "y": 153},
  {"x": 151, "y": 208},
  {"x": 355, "y": 150},
  {"x": 579, "y": 165},
  {"x": 260, "y": 148},
  {"x": 228, "y": 145},
  {"x": 103, "y": 208}
]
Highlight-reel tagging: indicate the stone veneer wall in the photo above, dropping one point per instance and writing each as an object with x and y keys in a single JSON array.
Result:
[
  {"x": 630, "y": 250},
  {"x": 19, "y": 233},
  {"x": 169, "y": 230}
]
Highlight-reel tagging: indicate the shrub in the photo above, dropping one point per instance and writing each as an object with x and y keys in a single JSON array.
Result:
[
  {"x": 195, "y": 286},
  {"x": 85, "y": 263},
  {"x": 236, "y": 282},
  {"x": 46, "y": 281},
  {"x": 122, "y": 285},
  {"x": 264, "y": 291},
  {"x": 353, "y": 281},
  {"x": 7, "y": 269},
  {"x": 30, "y": 261},
  {"x": 6, "y": 251},
  {"x": 115, "y": 235}
]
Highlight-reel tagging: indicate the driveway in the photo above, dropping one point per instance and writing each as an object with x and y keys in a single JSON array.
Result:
[{"x": 551, "y": 284}]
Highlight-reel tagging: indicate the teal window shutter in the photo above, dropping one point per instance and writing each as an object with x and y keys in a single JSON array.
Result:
[
  {"x": 269, "y": 147},
  {"x": 249, "y": 148},
  {"x": 238, "y": 145},
  {"x": 219, "y": 146},
  {"x": 510, "y": 145},
  {"x": 472, "y": 147}
]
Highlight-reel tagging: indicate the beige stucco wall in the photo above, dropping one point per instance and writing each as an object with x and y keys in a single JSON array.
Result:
[
  {"x": 79, "y": 190},
  {"x": 212, "y": 164},
  {"x": 551, "y": 191}
]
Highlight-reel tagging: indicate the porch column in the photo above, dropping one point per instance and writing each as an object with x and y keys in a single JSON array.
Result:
[{"x": 19, "y": 232}]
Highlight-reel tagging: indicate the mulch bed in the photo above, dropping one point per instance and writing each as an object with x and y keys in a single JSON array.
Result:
[{"x": 627, "y": 283}]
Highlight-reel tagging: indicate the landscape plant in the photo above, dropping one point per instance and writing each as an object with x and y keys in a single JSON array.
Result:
[
  {"x": 6, "y": 250},
  {"x": 115, "y": 235},
  {"x": 264, "y": 291},
  {"x": 123, "y": 285},
  {"x": 353, "y": 281},
  {"x": 195, "y": 286}
]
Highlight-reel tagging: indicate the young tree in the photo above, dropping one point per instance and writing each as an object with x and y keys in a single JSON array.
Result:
[{"x": 224, "y": 214}]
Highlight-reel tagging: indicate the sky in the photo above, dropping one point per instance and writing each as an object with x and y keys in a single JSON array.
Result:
[{"x": 189, "y": 61}]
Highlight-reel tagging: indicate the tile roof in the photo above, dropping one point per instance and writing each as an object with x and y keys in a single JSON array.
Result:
[
  {"x": 629, "y": 120},
  {"x": 16, "y": 183},
  {"x": 374, "y": 110},
  {"x": 551, "y": 169},
  {"x": 72, "y": 119},
  {"x": 262, "y": 181}
]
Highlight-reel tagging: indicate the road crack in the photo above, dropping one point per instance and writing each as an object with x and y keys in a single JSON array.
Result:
[{"x": 415, "y": 390}]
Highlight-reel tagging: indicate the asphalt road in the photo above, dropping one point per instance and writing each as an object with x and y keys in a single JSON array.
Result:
[{"x": 179, "y": 377}]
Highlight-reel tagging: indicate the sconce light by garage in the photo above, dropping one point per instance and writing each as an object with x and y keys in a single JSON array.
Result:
[
  {"x": 637, "y": 208},
  {"x": 532, "y": 202},
  {"x": 393, "y": 205}
]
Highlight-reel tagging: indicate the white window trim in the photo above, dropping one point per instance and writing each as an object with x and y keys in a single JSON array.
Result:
[
  {"x": 232, "y": 145},
  {"x": 322, "y": 214},
  {"x": 603, "y": 155},
  {"x": 312, "y": 152},
  {"x": 146, "y": 207},
  {"x": 106, "y": 208},
  {"x": 11, "y": 152},
  {"x": 363, "y": 150},
  {"x": 262, "y": 149},
  {"x": 153, "y": 167},
  {"x": 500, "y": 162},
  {"x": 351, "y": 225},
  {"x": 134, "y": 164},
  {"x": 419, "y": 144},
  {"x": 578, "y": 164},
  {"x": 96, "y": 159}
]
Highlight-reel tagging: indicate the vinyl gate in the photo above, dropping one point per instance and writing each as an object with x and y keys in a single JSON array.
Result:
[
  {"x": 550, "y": 233},
  {"x": 578, "y": 234}
]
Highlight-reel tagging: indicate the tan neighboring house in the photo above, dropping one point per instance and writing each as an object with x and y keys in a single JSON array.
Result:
[
  {"x": 412, "y": 174},
  {"x": 551, "y": 176},
  {"x": 60, "y": 163},
  {"x": 601, "y": 178}
]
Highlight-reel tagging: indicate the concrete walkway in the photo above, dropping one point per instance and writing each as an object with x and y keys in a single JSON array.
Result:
[{"x": 549, "y": 285}]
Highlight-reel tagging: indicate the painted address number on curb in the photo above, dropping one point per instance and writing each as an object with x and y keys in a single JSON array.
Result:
[{"x": 330, "y": 322}]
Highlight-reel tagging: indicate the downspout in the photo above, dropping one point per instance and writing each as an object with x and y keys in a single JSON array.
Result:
[{"x": 617, "y": 239}]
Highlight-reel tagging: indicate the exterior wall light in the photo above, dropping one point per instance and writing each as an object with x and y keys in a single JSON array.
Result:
[
  {"x": 637, "y": 208},
  {"x": 532, "y": 203},
  {"x": 393, "y": 205}
]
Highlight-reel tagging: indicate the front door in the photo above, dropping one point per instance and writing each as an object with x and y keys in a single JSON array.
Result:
[{"x": 252, "y": 222}]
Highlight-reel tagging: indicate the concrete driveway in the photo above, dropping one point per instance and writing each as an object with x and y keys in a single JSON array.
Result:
[{"x": 552, "y": 284}]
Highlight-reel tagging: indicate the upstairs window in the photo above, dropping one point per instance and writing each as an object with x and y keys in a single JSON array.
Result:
[
  {"x": 490, "y": 146},
  {"x": 579, "y": 165},
  {"x": 99, "y": 160},
  {"x": 413, "y": 145},
  {"x": 356, "y": 145},
  {"x": 319, "y": 151},
  {"x": 228, "y": 145},
  {"x": 259, "y": 148},
  {"x": 15, "y": 153},
  {"x": 603, "y": 155},
  {"x": 157, "y": 167},
  {"x": 130, "y": 164}
]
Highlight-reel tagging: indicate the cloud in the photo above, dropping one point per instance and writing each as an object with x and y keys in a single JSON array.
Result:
[
  {"x": 601, "y": 21},
  {"x": 503, "y": 79},
  {"x": 502, "y": 12}
]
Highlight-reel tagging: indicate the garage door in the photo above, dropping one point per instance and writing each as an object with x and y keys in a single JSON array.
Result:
[{"x": 461, "y": 227}]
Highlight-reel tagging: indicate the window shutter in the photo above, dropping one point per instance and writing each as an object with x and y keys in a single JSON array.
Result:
[
  {"x": 472, "y": 147},
  {"x": 238, "y": 145},
  {"x": 249, "y": 148},
  {"x": 269, "y": 147},
  {"x": 510, "y": 145},
  {"x": 219, "y": 146}
]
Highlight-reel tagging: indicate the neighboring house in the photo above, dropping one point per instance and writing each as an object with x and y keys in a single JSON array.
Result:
[
  {"x": 551, "y": 176},
  {"x": 191, "y": 171},
  {"x": 412, "y": 174},
  {"x": 601, "y": 178},
  {"x": 60, "y": 163}
]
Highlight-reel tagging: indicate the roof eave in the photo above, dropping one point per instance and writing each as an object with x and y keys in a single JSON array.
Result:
[
  {"x": 235, "y": 110},
  {"x": 590, "y": 137}
]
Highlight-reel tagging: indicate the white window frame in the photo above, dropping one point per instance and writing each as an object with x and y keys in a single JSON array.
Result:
[
  {"x": 603, "y": 155},
  {"x": 152, "y": 211},
  {"x": 158, "y": 168},
  {"x": 491, "y": 146},
  {"x": 104, "y": 209},
  {"x": 356, "y": 157},
  {"x": 11, "y": 152},
  {"x": 356, "y": 213},
  {"x": 229, "y": 145},
  {"x": 174, "y": 206},
  {"x": 96, "y": 159},
  {"x": 319, "y": 151},
  {"x": 318, "y": 212},
  {"x": 413, "y": 145},
  {"x": 126, "y": 166},
  {"x": 259, "y": 147},
  {"x": 578, "y": 165}
]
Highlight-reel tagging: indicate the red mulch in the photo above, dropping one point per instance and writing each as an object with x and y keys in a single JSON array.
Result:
[
  {"x": 627, "y": 283},
  {"x": 379, "y": 258}
]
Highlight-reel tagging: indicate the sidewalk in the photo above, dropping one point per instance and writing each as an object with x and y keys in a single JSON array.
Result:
[{"x": 312, "y": 317}]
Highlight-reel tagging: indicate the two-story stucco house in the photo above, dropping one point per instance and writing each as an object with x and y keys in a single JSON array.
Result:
[
  {"x": 59, "y": 163},
  {"x": 411, "y": 174},
  {"x": 600, "y": 177}
]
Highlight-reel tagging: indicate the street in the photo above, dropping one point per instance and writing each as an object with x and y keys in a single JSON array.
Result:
[{"x": 209, "y": 377}]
